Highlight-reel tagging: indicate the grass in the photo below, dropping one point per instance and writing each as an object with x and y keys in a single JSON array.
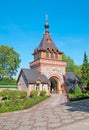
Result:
[{"x": 8, "y": 86}]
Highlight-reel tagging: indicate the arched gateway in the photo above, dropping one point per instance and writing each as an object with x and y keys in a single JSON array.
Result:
[
  {"x": 47, "y": 69},
  {"x": 54, "y": 85}
]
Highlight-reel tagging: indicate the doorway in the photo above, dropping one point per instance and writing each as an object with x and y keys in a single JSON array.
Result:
[{"x": 54, "y": 85}]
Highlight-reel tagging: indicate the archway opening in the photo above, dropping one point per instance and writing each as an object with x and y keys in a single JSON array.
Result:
[{"x": 54, "y": 85}]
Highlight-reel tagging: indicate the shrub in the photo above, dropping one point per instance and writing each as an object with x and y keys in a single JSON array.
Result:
[
  {"x": 8, "y": 81},
  {"x": 84, "y": 90},
  {"x": 87, "y": 88},
  {"x": 10, "y": 105},
  {"x": 42, "y": 93},
  {"x": 71, "y": 97},
  {"x": 71, "y": 91},
  {"x": 6, "y": 94},
  {"x": 33, "y": 93},
  {"x": 76, "y": 95},
  {"x": 78, "y": 91},
  {"x": 22, "y": 94},
  {"x": 12, "y": 94}
]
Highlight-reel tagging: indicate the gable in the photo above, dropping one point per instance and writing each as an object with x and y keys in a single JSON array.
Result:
[{"x": 32, "y": 76}]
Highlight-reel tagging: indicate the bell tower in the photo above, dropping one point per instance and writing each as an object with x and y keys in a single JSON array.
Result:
[{"x": 48, "y": 59}]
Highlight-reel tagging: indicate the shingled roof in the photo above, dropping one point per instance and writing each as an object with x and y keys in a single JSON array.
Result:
[
  {"x": 70, "y": 77},
  {"x": 47, "y": 42},
  {"x": 32, "y": 75}
]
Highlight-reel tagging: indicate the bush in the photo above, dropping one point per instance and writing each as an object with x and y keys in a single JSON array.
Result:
[
  {"x": 8, "y": 81},
  {"x": 10, "y": 105},
  {"x": 42, "y": 93},
  {"x": 87, "y": 88},
  {"x": 34, "y": 93},
  {"x": 22, "y": 94},
  {"x": 71, "y": 91},
  {"x": 78, "y": 95},
  {"x": 71, "y": 96},
  {"x": 6, "y": 94},
  {"x": 12, "y": 94},
  {"x": 78, "y": 91}
]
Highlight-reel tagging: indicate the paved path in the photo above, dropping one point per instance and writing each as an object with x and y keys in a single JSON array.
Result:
[{"x": 52, "y": 114}]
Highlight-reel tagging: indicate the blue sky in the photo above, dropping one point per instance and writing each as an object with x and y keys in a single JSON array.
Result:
[{"x": 22, "y": 26}]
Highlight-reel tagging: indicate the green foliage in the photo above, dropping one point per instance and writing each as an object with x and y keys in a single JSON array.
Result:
[
  {"x": 78, "y": 91},
  {"x": 70, "y": 62},
  {"x": 7, "y": 81},
  {"x": 6, "y": 94},
  {"x": 71, "y": 96},
  {"x": 71, "y": 91},
  {"x": 33, "y": 93},
  {"x": 13, "y": 105},
  {"x": 77, "y": 94},
  {"x": 71, "y": 65},
  {"x": 42, "y": 93},
  {"x": 22, "y": 94},
  {"x": 85, "y": 70},
  {"x": 77, "y": 70},
  {"x": 8, "y": 86},
  {"x": 12, "y": 94},
  {"x": 9, "y": 62},
  {"x": 87, "y": 88}
]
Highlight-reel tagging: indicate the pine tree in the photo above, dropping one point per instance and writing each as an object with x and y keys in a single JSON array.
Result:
[{"x": 85, "y": 70}]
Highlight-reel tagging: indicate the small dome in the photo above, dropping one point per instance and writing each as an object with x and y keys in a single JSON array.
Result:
[{"x": 46, "y": 26}]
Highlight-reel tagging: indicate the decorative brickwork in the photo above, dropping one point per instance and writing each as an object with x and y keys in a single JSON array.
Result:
[
  {"x": 49, "y": 62},
  {"x": 47, "y": 69}
]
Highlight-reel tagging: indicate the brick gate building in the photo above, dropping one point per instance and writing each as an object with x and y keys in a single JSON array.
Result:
[{"x": 47, "y": 70}]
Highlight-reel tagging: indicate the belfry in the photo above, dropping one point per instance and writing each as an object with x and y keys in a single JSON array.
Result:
[
  {"x": 47, "y": 70},
  {"x": 48, "y": 61}
]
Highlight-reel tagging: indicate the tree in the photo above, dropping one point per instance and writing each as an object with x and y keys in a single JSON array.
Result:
[
  {"x": 9, "y": 62},
  {"x": 77, "y": 70},
  {"x": 85, "y": 70},
  {"x": 71, "y": 65},
  {"x": 70, "y": 62}
]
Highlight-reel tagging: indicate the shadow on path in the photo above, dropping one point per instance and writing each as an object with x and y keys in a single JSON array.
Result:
[{"x": 82, "y": 105}]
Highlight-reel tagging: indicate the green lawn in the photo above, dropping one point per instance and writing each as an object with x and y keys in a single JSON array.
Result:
[{"x": 8, "y": 86}]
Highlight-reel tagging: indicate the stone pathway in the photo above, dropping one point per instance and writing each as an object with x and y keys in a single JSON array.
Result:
[{"x": 52, "y": 114}]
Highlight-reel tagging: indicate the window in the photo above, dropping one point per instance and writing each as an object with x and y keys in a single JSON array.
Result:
[
  {"x": 37, "y": 86},
  {"x": 47, "y": 55},
  {"x": 42, "y": 86},
  {"x": 52, "y": 55},
  {"x": 37, "y": 55},
  {"x": 56, "y": 56}
]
